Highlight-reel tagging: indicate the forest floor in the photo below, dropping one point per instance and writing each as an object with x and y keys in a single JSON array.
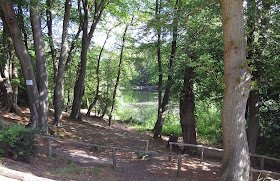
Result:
[{"x": 75, "y": 162}]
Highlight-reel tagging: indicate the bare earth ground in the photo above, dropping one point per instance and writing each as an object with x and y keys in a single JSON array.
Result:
[{"x": 75, "y": 162}]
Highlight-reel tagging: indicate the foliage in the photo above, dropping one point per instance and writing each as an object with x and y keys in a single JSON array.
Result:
[
  {"x": 172, "y": 124},
  {"x": 18, "y": 142},
  {"x": 209, "y": 125},
  {"x": 269, "y": 139}
]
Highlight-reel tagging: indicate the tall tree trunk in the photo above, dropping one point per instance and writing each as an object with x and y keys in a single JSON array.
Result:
[
  {"x": 187, "y": 106},
  {"x": 158, "y": 10},
  {"x": 68, "y": 60},
  {"x": 49, "y": 4},
  {"x": 79, "y": 86},
  {"x": 24, "y": 59},
  {"x": 253, "y": 124},
  {"x": 20, "y": 16},
  {"x": 60, "y": 74},
  {"x": 164, "y": 103},
  {"x": 72, "y": 47},
  {"x": 41, "y": 65},
  {"x": 9, "y": 91},
  {"x": 119, "y": 72},
  {"x": 68, "y": 106},
  {"x": 253, "y": 102},
  {"x": 97, "y": 74},
  {"x": 236, "y": 162},
  {"x": 106, "y": 97},
  {"x": 14, "y": 75}
]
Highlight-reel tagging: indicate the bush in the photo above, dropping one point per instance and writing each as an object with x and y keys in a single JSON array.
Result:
[
  {"x": 209, "y": 126},
  {"x": 172, "y": 124},
  {"x": 18, "y": 142}
]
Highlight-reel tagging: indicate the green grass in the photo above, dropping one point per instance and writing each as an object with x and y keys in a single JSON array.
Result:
[
  {"x": 94, "y": 170},
  {"x": 71, "y": 170}
]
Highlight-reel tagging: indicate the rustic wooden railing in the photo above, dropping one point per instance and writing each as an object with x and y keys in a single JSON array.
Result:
[
  {"x": 153, "y": 153},
  {"x": 262, "y": 157}
]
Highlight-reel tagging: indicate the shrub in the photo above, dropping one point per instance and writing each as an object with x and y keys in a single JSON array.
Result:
[
  {"x": 18, "y": 142},
  {"x": 209, "y": 125},
  {"x": 172, "y": 124}
]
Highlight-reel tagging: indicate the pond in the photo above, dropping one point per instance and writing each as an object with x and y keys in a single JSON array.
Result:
[
  {"x": 138, "y": 105},
  {"x": 140, "y": 94}
]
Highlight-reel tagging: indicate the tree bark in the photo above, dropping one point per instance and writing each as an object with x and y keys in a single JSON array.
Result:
[
  {"x": 187, "y": 106},
  {"x": 158, "y": 10},
  {"x": 79, "y": 86},
  {"x": 13, "y": 75},
  {"x": 41, "y": 65},
  {"x": 164, "y": 103},
  {"x": 20, "y": 16},
  {"x": 72, "y": 47},
  {"x": 236, "y": 162},
  {"x": 24, "y": 59},
  {"x": 253, "y": 123},
  {"x": 58, "y": 91}
]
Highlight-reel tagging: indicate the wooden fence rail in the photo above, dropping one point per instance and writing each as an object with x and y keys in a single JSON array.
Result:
[
  {"x": 152, "y": 154},
  {"x": 262, "y": 157}
]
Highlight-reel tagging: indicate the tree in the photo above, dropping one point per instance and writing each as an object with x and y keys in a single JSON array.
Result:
[
  {"x": 97, "y": 73},
  {"x": 119, "y": 70},
  {"x": 60, "y": 73},
  {"x": 158, "y": 10},
  {"x": 41, "y": 67},
  {"x": 8, "y": 74},
  {"x": 165, "y": 100},
  {"x": 269, "y": 86},
  {"x": 256, "y": 54},
  {"x": 187, "y": 106},
  {"x": 24, "y": 58},
  {"x": 21, "y": 21},
  {"x": 86, "y": 39},
  {"x": 49, "y": 4},
  {"x": 236, "y": 161}
]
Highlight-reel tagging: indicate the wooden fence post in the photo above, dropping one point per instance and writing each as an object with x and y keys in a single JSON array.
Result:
[
  {"x": 114, "y": 159},
  {"x": 147, "y": 146},
  {"x": 262, "y": 163},
  {"x": 202, "y": 153},
  {"x": 170, "y": 151},
  {"x": 251, "y": 175},
  {"x": 179, "y": 166},
  {"x": 49, "y": 147}
]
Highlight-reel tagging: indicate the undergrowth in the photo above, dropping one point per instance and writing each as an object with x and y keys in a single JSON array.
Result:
[
  {"x": 207, "y": 114},
  {"x": 18, "y": 142}
]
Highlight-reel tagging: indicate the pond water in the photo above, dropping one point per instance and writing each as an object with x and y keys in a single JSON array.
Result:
[
  {"x": 139, "y": 95},
  {"x": 138, "y": 104}
]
